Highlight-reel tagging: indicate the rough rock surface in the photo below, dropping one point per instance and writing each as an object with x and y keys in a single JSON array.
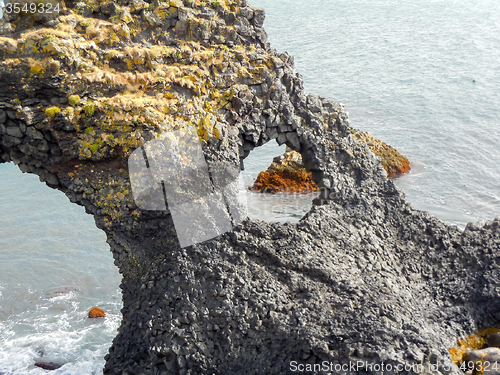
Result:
[
  {"x": 287, "y": 173},
  {"x": 363, "y": 277}
]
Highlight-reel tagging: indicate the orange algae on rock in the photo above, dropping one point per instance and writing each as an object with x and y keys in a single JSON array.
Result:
[
  {"x": 472, "y": 342},
  {"x": 393, "y": 162},
  {"x": 288, "y": 174},
  {"x": 96, "y": 312}
]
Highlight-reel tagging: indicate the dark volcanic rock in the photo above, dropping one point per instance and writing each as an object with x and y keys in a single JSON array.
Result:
[
  {"x": 363, "y": 277},
  {"x": 494, "y": 340}
]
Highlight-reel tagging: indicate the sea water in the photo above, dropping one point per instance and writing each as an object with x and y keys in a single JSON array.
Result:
[
  {"x": 405, "y": 71},
  {"x": 55, "y": 266},
  {"x": 423, "y": 76}
]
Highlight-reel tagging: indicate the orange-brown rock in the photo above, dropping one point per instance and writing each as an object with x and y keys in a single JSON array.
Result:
[
  {"x": 393, "y": 162},
  {"x": 96, "y": 312},
  {"x": 288, "y": 174}
]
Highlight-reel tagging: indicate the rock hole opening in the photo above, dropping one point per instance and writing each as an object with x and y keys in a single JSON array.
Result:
[
  {"x": 273, "y": 186},
  {"x": 56, "y": 266}
]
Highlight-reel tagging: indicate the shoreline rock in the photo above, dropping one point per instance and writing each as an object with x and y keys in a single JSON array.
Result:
[
  {"x": 478, "y": 353},
  {"x": 393, "y": 162}
]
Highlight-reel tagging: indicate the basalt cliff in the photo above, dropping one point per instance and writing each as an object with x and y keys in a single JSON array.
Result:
[{"x": 363, "y": 278}]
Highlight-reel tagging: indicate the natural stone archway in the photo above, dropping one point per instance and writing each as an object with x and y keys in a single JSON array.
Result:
[
  {"x": 363, "y": 277},
  {"x": 275, "y": 185}
]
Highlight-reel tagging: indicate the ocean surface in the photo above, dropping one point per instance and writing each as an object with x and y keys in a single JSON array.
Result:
[
  {"x": 55, "y": 265},
  {"x": 405, "y": 70}
]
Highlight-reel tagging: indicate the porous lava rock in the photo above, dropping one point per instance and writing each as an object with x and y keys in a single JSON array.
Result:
[
  {"x": 363, "y": 278},
  {"x": 96, "y": 312},
  {"x": 287, "y": 173}
]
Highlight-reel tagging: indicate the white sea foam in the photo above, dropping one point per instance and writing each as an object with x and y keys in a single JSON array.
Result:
[{"x": 66, "y": 337}]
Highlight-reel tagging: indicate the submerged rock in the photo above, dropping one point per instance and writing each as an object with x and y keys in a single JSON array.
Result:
[
  {"x": 61, "y": 292},
  {"x": 288, "y": 174},
  {"x": 48, "y": 365},
  {"x": 96, "y": 312}
]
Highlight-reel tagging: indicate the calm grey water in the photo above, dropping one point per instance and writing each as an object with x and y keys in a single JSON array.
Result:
[{"x": 404, "y": 70}]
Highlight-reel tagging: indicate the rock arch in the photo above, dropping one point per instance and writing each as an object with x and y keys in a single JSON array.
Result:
[{"x": 363, "y": 277}]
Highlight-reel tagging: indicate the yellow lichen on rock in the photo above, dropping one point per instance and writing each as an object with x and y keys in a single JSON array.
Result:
[
  {"x": 52, "y": 111},
  {"x": 36, "y": 67},
  {"x": 206, "y": 129},
  {"x": 89, "y": 109},
  {"x": 74, "y": 100}
]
